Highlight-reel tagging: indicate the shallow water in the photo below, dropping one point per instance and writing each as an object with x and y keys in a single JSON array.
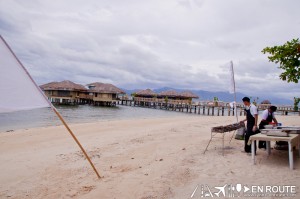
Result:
[
  {"x": 83, "y": 114},
  {"x": 73, "y": 114}
]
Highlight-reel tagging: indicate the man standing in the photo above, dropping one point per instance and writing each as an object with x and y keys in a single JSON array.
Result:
[
  {"x": 266, "y": 118},
  {"x": 251, "y": 118}
]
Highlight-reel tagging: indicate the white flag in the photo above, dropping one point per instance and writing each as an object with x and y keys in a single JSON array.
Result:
[
  {"x": 18, "y": 91},
  {"x": 232, "y": 82}
]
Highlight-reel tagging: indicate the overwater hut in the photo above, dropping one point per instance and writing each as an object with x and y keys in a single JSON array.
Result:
[
  {"x": 189, "y": 95},
  {"x": 104, "y": 94},
  {"x": 170, "y": 94},
  {"x": 64, "y": 92},
  {"x": 174, "y": 97},
  {"x": 264, "y": 104},
  {"x": 148, "y": 97},
  {"x": 145, "y": 93},
  {"x": 145, "y": 96}
]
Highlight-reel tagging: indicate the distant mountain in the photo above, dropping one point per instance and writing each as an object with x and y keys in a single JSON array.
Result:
[
  {"x": 222, "y": 96},
  {"x": 129, "y": 92}
]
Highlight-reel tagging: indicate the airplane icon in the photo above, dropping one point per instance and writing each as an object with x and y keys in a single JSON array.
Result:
[
  {"x": 246, "y": 189},
  {"x": 222, "y": 190}
]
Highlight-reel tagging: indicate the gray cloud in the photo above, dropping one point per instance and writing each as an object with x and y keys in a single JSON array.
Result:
[{"x": 141, "y": 44}]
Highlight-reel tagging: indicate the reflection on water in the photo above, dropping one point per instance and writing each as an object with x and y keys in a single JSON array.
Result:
[{"x": 73, "y": 114}]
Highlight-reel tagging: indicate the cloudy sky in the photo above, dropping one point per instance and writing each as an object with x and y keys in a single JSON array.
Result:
[{"x": 151, "y": 44}]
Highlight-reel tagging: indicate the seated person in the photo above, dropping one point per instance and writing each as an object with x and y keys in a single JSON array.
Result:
[{"x": 266, "y": 118}]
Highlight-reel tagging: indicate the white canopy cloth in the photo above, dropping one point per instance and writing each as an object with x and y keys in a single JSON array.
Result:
[{"x": 17, "y": 90}]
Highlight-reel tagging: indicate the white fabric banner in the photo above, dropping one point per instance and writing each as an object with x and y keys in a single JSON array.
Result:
[
  {"x": 17, "y": 89},
  {"x": 232, "y": 83}
]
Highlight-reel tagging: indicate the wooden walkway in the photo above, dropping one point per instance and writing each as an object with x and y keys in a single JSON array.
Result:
[{"x": 203, "y": 109}]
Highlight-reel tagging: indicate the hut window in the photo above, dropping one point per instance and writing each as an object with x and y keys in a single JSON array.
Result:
[
  {"x": 96, "y": 94},
  {"x": 63, "y": 93},
  {"x": 91, "y": 86}
]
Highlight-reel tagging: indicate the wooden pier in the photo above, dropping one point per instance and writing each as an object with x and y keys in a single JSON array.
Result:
[{"x": 201, "y": 108}]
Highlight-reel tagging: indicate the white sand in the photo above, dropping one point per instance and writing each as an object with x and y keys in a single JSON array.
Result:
[{"x": 146, "y": 158}]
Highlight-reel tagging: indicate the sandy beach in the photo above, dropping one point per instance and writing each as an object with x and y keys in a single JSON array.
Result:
[{"x": 137, "y": 158}]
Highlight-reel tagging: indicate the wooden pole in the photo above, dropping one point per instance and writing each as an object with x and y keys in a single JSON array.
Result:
[
  {"x": 235, "y": 109},
  {"x": 74, "y": 137}
]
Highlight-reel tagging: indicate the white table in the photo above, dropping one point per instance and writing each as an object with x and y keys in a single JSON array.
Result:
[{"x": 293, "y": 140}]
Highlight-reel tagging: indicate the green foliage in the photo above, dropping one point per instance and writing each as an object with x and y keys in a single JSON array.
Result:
[
  {"x": 216, "y": 99},
  {"x": 288, "y": 57},
  {"x": 166, "y": 99},
  {"x": 255, "y": 100}
]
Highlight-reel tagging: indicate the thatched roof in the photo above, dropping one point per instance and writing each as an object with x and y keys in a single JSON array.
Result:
[
  {"x": 169, "y": 93},
  {"x": 64, "y": 85},
  {"x": 188, "y": 94},
  {"x": 147, "y": 92},
  {"x": 265, "y": 102},
  {"x": 173, "y": 93},
  {"x": 99, "y": 87}
]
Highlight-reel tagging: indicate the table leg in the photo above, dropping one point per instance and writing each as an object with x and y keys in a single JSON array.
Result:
[
  {"x": 268, "y": 145},
  {"x": 253, "y": 151},
  {"x": 299, "y": 149},
  {"x": 223, "y": 144},
  {"x": 291, "y": 158}
]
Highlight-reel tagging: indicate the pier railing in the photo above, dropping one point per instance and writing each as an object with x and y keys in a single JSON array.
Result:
[{"x": 204, "y": 108}]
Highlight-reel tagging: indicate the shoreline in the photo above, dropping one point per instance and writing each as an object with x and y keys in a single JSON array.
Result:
[
  {"x": 161, "y": 113},
  {"x": 95, "y": 122},
  {"x": 46, "y": 117}
]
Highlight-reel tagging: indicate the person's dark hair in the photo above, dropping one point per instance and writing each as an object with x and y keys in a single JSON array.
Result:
[
  {"x": 273, "y": 108},
  {"x": 246, "y": 99}
]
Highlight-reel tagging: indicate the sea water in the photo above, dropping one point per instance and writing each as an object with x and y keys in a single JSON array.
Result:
[{"x": 76, "y": 114}]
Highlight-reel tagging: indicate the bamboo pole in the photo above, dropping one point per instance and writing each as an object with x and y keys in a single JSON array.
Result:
[
  {"x": 76, "y": 140},
  {"x": 235, "y": 109}
]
